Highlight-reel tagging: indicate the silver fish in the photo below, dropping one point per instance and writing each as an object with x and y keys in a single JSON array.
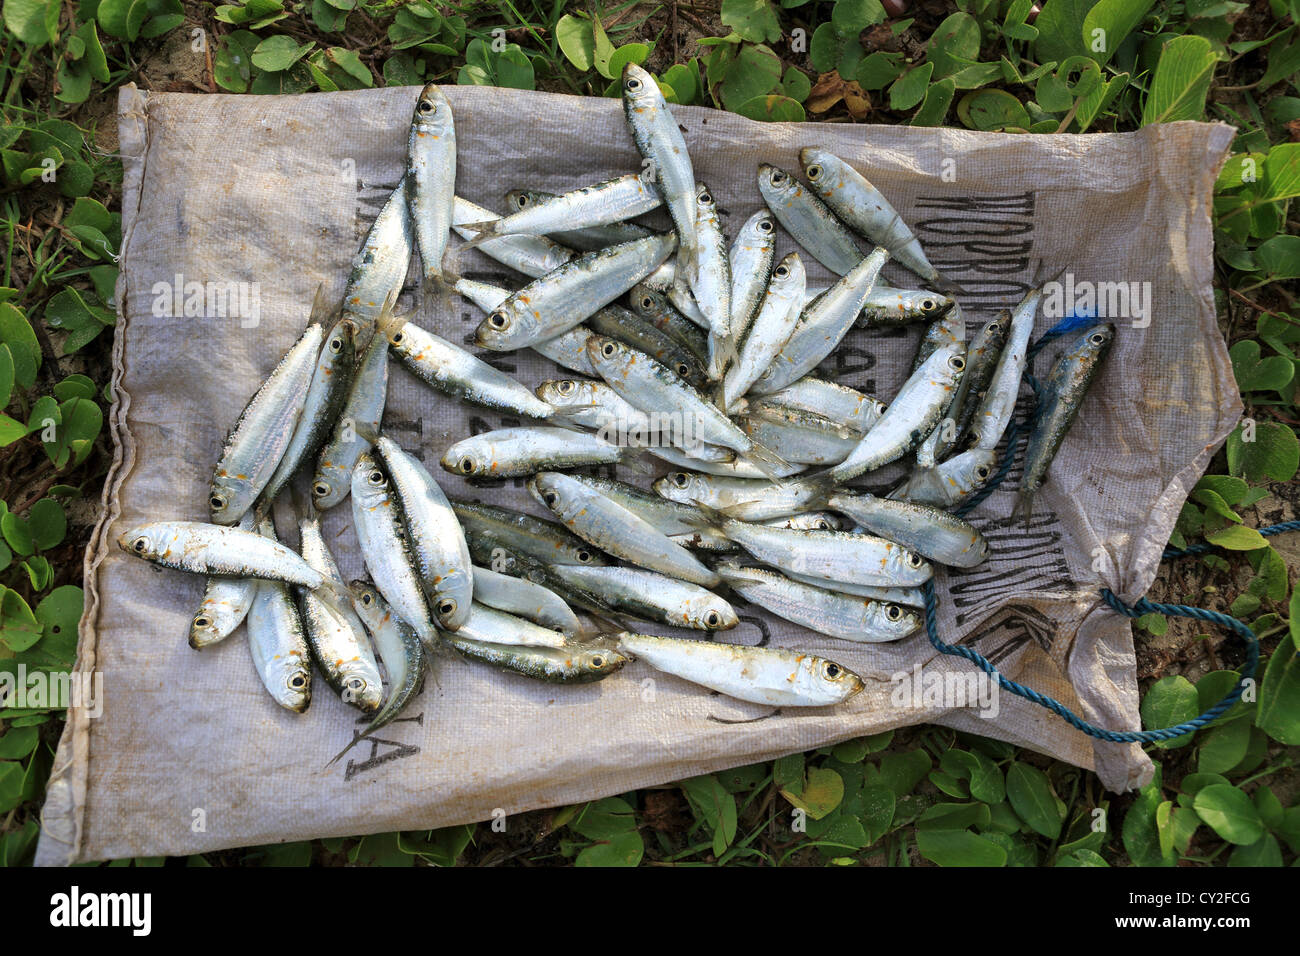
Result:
[
  {"x": 750, "y": 257},
  {"x": 361, "y": 415},
  {"x": 570, "y": 665},
  {"x": 910, "y": 417},
  {"x": 277, "y": 639},
  {"x": 378, "y": 524},
  {"x": 511, "y": 452},
  {"x": 489, "y": 528},
  {"x": 906, "y": 596},
  {"x": 651, "y": 596},
  {"x": 762, "y": 675},
  {"x": 534, "y": 256},
  {"x": 380, "y": 267},
  {"x": 338, "y": 641},
  {"x": 837, "y": 402},
  {"x": 808, "y": 220},
  {"x": 743, "y": 498},
  {"x": 586, "y": 238},
  {"x": 1063, "y": 393},
  {"x": 776, "y": 313},
  {"x": 925, "y": 529},
  {"x": 523, "y": 598},
  {"x": 562, "y": 299},
  {"x": 629, "y": 328},
  {"x": 822, "y": 326},
  {"x": 433, "y": 535},
  {"x": 681, "y": 522},
  {"x": 823, "y": 611},
  {"x": 950, "y": 482},
  {"x": 431, "y": 179},
  {"x": 615, "y": 530},
  {"x": 863, "y": 207},
  {"x": 709, "y": 276},
  {"x": 800, "y": 436},
  {"x": 255, "y": 445},
  {"x": 995, "y": 410},
  {"x": 225, "y": 604},
  {"x": 325, "y": 397},
  {"x": 653, "y": 306},
  {"x": 659, "y": 140},
  {"x": 734, "y": 467},
  {"x": 832, "y": 555},
  {"x": 218, "y": 551},
  {"x": 485, "y": 623},
  {"x": 600, "y": 204}
]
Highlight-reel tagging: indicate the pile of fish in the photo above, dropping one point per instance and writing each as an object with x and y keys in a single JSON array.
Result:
[{"x": 684, "y": 346}]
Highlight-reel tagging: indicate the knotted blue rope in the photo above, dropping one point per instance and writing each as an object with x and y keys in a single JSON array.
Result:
[{"x": 1140, "y": 607}]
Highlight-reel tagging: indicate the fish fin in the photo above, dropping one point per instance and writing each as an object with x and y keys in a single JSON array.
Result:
[
  {"x": 355, "y": 740},
  {"x": 324, "y": 311},
  {"x": 483, "y": 231},
  {"x": 1038, "y": 279},
  {"x": 637, "y": 459},
  {"x": 387, "y": 322},
  {"x": 763, "y": 459},
  {"x": 723, "y": 354},
  {"x": 366, "y": 433},
  {"x": 1024, "y": 506}
]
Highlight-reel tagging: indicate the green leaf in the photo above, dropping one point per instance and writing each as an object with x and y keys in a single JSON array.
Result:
[
  {"x": 1081, "y": 858},
  {"x": 753, "y": 20},
  {"x": 1263, "y": 852},
  {"x": 1229, "y": 813},
  {"x": 822, "y": 792},
  {"x": 909, "y": 89},
  {"x": 60, "y": 611},
  {"x": 851, "y": 17},
  {"x": 16, "y": 534},
  {"x": 1235, "y": 537},
  {"x": 1140, "y": 833},
  {"x": 232, "y": 65},
  {"x": 755, "y": 72},
  {"x": 992, "y": 110},
  {"x": 1278, "y": 712},
  {"x": 1282, "y": 172},
  {"x": 47, "y": 522},
  {"x": 772, "y": 108},
  {"x": 11, "y": 785},
  {"x": 1060, "y": 30},
  {"x": 715, "y": 806},
  {"x": 68, "y": 311},
  {"x": 1182, "y": 78},
  {"x": 1275, "y": 452},
  {"x": 19, "y": 628},
  {"x": 954, "y": 816},
  {"x": 901, "y": 772},
  {"x": 959, "y": 848},
  {"x": 622, "y": 849},
  {"x": 6, "y": 375},
  {"x": 1170, "y": 701},
  {"x": 1254, "y": 373},
  {"x": 277, "y": 53},
  {"x": 1031, "y": 796},
  {"x": 18, "y": 334},
  {"x": 954, "y": 43},
  {"x": 1278, "y": 258},
  {"x": 603, "y": 818},
  {"x": 1223, "y": 747},
  {"x": 1231, "y": 490},
  {"x": 878, "y": 805},
  {"x": 1115, "y": 19},
  {"x": 577, "y": 41},
  {"x": 787, "y": 772},
  {"x": 18, "y": 742},
  {"x": 28, "y": 20},
  {"x": 879, "y": 69},
  {"x": 938, "y": 98},
  {"x": 795, "y": 84},
  {"x": 602, "y": 50}
]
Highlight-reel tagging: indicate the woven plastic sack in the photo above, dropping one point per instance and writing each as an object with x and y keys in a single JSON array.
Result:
[{"x": 275, "y": 193}]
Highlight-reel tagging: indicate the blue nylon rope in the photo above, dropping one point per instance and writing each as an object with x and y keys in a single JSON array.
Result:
[{"x": 1140, "y": 607}]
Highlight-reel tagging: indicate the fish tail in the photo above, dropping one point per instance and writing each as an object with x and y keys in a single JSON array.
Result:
[
  {"x": 387, "y": 322},
  {"x": 324, "y": 311},
  {"x": 766, "y": 460},
  {"x": 483, "y": 231}
]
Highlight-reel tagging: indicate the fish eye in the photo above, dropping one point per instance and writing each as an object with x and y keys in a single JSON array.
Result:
[
  {"x": 550, "y": 498},
  {"x": 822, "y": 524},
  {"x": 832, "y": 671},
  {"x": 425, "y": 106},
  {"x": 981, "y": 472},
  {"x": 140, "y": 545},
  {"x": 608, "y": 350},
  {"x": 814, "y": 171},
  {"x": 202, "y": 621},
  {"x": 336, "y": 345},
  {"x": 467, "y": 466},
  {"x": 683, "y": 369},
  {"x": 446, "y": 607},
  {"x": 498, "y": 320},
  {"x": 357, "y": 684},
  {"x": 521, "y": 201},
  {"x": 597, "y": 660},
  {"x": 781, "y": 272},
  {"x": 893, "y": 612},
  {"x": 681, "y": 480},
  {"x": 1096, "y": 338},
  {"x": 915, "y": 560},
  {"x": 956, "y": 363},
  {"x": 583, "y": 556},
  {"x": 366, "y": 599},
  {"x": 705, "y": 198},
  {"x": 320, "y": 489},
  {"x": 217, "y": 502},
  {"x": 765, "y": 225},
  {"x": 927, "y": 305},
  {"x": 632, "y": 84},
  {"x": 778, "y": 177},
  {"x": 566, "y": 387},
  {"x": 397, "y": 337},
  {"x": 298, "y": 681},
  {"x": 712, "y": 619},
  {"x": 376, "y": 477},
  {"x": 647, "y": 302}
]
